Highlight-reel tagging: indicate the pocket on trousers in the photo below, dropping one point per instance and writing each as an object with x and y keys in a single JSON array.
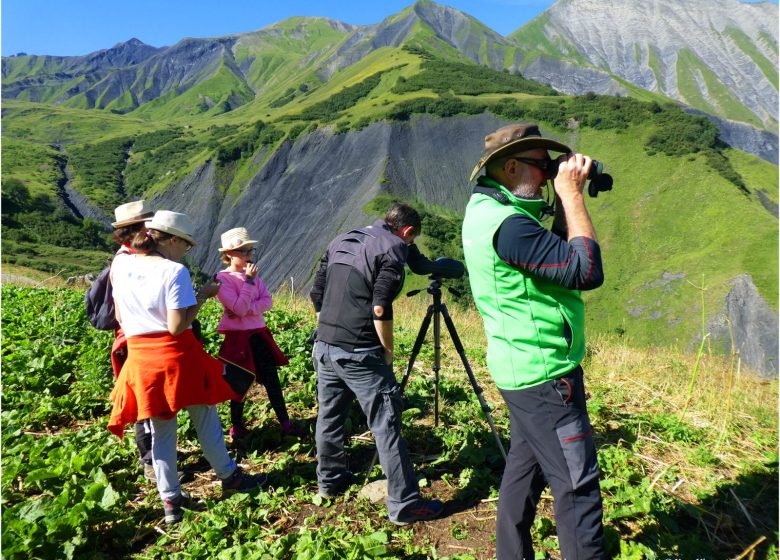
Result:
[
  {"x": 576, "y": 440},
  {"x": 316, "y": 353},
  {"x": 391, "y": 403},
  {"x": 565, "y": 388}
]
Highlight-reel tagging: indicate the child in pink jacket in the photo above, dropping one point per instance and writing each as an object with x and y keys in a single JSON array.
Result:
[{"x": 248, "y": 342}]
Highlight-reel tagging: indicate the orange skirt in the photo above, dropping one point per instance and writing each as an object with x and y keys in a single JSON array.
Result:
[{"x": 162, "y": 375}]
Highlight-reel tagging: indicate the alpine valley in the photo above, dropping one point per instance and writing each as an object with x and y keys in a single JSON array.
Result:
[{"x": 309, "y": 127}]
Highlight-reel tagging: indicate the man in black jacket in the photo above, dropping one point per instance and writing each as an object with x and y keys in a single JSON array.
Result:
[{"x": 359, "y": 276}]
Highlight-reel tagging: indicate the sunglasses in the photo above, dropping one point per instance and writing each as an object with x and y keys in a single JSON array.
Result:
[
  {"x": 244, "y": 251},
  {"x": 545, "y": 164}
]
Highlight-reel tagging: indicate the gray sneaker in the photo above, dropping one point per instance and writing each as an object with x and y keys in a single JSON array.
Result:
[{"x": 174, "y": 508}]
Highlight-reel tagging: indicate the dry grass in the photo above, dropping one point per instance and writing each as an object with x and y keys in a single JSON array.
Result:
[
  {"x": 660, "y": 376},
  {"x": 23, "y": 276}
]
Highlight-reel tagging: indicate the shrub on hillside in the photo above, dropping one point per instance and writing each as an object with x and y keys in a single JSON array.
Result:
[
  {"x": 155, "y": 139},
  {"x": 247, "y": 143},
  {"x": 443, "y": 106},
  {"x": 156, "y": 163},
  {"x": 284, "y": 99},
  {"x": 98, "y": 168},
  {"x": 680, "y": 133},
  {"x": 330, "y": 109},
  {"x": 467, "y": 79}
]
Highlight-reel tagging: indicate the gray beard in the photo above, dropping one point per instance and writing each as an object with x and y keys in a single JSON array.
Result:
[{"x": 527, "y": 192}]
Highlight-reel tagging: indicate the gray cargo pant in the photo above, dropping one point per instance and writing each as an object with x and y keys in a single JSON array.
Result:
[
  {"x": 552, "y": 443},
  {"x": 340, "y": 374}
]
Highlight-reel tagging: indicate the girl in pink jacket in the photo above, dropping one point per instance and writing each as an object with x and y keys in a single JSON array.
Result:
[{"x": 248, "y": 342}]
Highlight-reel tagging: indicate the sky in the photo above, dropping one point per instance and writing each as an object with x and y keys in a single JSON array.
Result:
[{"x": 77, "y": 27}]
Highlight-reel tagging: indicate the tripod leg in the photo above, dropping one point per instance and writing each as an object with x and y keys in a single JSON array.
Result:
[
  {"x": 417, "y": 345},
  {"x": 415, "y": 350},
  {"x": 474, "y": 384}
]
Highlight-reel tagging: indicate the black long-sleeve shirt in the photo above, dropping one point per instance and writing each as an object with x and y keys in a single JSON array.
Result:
[
  {"x": 361, "y": 269},
  {"x": 523, "y": 243}
]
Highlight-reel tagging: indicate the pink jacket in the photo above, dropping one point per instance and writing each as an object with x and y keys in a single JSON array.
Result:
[{"x": 244, "y": 303}]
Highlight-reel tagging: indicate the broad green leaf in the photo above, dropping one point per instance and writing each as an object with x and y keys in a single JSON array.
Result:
[
  {"x": 33, "y": 510},
  {"x": 110, "y": 497}
]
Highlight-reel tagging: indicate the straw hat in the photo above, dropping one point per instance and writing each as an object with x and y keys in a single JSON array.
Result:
[
  {"x": 131, "y": 213},
  {"x": 174, "y": 223},
  {"x": 236, "y": 238},
  {"x": 515, "y": 138}
]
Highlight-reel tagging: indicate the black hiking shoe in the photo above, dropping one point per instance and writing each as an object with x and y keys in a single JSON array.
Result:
[
  {"x": 240, "y": 481},
  {"x": 421, "y": 510},
  {"x": 338, "y": 488}
]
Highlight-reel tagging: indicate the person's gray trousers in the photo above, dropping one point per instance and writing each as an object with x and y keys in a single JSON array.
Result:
[{"x": 340, "y": 374}]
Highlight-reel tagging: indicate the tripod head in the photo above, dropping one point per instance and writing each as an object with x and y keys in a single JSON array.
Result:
[
  {"x": 434, "y": 288},
  {"x": 440, "y": 269}
]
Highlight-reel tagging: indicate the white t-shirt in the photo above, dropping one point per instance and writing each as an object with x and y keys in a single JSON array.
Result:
[{"x": 145, "y": 288}]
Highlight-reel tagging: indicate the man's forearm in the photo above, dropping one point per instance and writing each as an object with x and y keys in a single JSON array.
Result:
[
  {"x": 578, "y": 222},
  {"x": 384, "y": 329}
]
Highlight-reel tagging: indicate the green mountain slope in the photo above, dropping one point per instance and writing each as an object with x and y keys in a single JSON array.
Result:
[{"x": 265, "y": 138}]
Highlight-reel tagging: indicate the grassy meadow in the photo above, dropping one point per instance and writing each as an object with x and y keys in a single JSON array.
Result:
[{"x": 687, "y": 446}]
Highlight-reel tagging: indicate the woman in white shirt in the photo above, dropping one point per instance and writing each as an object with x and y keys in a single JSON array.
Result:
[{"x": 167, "y": 369}]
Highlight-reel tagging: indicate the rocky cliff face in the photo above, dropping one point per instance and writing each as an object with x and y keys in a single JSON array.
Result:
[
  {"x": 315, "y": 188},
  {"x": 748, "y": 327},
  {"x": 761, "y": 143},
  {"x": 710, "y": 54}
]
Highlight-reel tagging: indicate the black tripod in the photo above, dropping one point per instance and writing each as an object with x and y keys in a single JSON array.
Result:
[{"x": 437, "y": 310}]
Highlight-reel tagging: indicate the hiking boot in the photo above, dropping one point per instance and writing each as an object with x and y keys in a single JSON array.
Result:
[
  {"x": 421, "y": 510},
  {"x": 238, "y": 432},
  {"x": 338, "y": 488},
  {"x": 290, "y": 429},
  {"x": 174, "y": 508},
  {"x": 240, "y": 481}
]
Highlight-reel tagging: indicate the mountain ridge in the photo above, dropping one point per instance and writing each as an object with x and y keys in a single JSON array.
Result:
[
  {"x": 228, "y": 72},
  {"x": 646, "y": 43},
  {"x": 248, "y": 129}
]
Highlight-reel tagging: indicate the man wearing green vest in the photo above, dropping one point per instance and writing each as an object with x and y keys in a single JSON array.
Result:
[{"x": 526, "y": 283}]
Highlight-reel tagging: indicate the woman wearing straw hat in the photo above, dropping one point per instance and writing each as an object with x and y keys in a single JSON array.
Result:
[
  {"x": 248, "y": 342},
  {"x": 167, "y": 369},
  {"x": 130, "y": 220}
]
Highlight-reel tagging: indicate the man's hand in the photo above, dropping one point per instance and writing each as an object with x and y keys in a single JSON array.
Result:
[
  {"x": 572, "y": 173},
  {"x": 568, "y": 184}
]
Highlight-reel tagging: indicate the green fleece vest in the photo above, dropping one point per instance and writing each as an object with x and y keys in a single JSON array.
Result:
[{"x": 524, "y": 316}]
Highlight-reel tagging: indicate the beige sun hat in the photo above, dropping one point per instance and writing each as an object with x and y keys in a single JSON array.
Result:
[
  {"x": 174, "y": 223},
  {"x": 236, "y": 238},
  {"x": 515, "y": 138},
  {"x": 131, "y": 213}
]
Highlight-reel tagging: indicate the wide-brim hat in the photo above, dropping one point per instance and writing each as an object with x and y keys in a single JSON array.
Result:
[
  {"x": 174, "y": 223},
  {"x": 236, "y": 238},
  {"x": 131, "y": 213},
  {"x": 515, "y": 138}
]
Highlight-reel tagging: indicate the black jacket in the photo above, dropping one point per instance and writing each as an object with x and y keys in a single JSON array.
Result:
[{"x": 361, "y": 269}]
